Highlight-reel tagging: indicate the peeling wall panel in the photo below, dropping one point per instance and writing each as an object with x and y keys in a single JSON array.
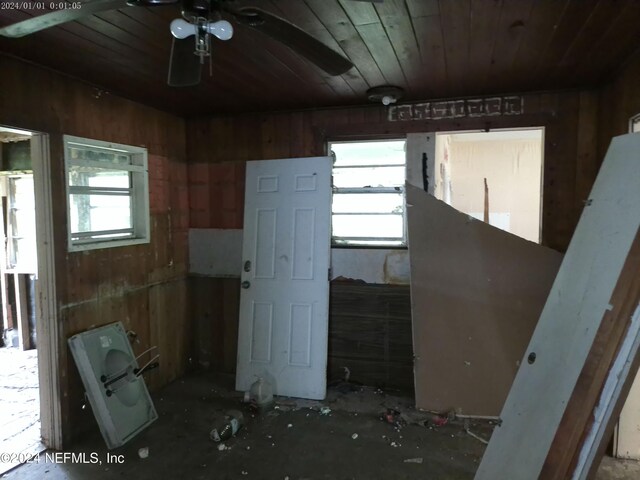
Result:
[
  {"x": 215, "y": 252},
  {"x": 477, "y": 294}
]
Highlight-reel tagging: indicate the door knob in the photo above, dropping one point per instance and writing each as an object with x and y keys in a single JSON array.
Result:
[{"x": 245, "y": 284}]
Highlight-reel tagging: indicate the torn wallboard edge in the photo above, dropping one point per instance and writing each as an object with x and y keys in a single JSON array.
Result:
[
  {"x": 551, "y": 404},
  {"x": 477, "y": 292}
]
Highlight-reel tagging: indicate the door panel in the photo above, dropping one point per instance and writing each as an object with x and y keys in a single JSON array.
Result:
[{"x": 284, "y": 300}]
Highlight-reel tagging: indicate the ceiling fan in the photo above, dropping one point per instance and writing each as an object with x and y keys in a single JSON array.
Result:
[{"x": 201, "y": 19}]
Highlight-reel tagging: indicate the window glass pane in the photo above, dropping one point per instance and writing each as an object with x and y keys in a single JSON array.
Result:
[
  {"x": 369, "y": 153},
  {"x": 96, "y": 154},
  {"x": 98, "y": 177},
  {"x": 385, "y": 226},
  {"x": 368, "y": 177},
  {"x": 360, "y": 216},
  {"x": 99, "y": 212},
  {"x": 368, "y": 202}
]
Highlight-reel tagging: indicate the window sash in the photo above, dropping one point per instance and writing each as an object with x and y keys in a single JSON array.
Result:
[
  {"x": 102, "y": 233},
  {"x": 85, "y": 190},
  {"x": 368, "y": 189},
  {"x": 106, "y": 165},
  {"x": 128, "y": 159}
]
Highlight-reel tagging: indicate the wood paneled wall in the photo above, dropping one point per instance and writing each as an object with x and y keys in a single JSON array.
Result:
[
  {"x": 369, "y": 330},
  {"x": 144, "y": 286},
  {"x": 619, "y": 101},
  {"x": 216, "y": 305},
  {"x": 219, "y": 147},
  {"x": 570, "y": 151},
  {"x": 370, "y": 335}
]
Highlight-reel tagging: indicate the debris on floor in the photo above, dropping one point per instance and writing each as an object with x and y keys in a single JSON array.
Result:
[
  {"x": 261, "y": 395},
  {"x": 477, "y": 437},
  {"x": 354, "y": 436},
  {"x": 143, "y": 452},
  {"x": 227, "y": 426},
  {"x": 393, "y": 417},
  {"x": 439, "y": 420},
  {"x": 265, "y": 447}
]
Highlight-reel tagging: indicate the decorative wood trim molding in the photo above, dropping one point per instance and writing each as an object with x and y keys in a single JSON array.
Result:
[{"x": 466, "y": 108}]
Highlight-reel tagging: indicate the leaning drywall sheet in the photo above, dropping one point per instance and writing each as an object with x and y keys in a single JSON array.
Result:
[
  {"x": 477, "y": 293},
  {"x": 570, "y": 319}
]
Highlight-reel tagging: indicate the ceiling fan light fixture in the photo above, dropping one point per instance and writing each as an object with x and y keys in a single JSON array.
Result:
[
  {"x": 180, "y": 28},
  {"x": 386, "y": 94},
  {"x": 221, "y": 29}
]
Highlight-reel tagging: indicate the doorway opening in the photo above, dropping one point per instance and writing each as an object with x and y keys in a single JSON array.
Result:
[
  {"x": 25, "y": 333},
  {"x": 493, "y": 176}
]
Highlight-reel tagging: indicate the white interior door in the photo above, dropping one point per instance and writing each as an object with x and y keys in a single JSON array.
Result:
[{"x": 284, "y": 299}]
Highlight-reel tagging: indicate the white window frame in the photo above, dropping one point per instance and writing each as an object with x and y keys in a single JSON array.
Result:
[
  {"x": 634, "y": 124},
  {"x": 385, "y": 242},
  {"x": 139, "y": 193}
]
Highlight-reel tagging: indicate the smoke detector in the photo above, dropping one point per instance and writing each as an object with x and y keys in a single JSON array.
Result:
[{"x": 387, "y": 94}]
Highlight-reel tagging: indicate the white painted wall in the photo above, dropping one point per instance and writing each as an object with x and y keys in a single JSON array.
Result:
[
  {"x": 627, "y": 436},
  {"x": 511, "y": 162},
  {"x": 218, "y": 253},
  {"x": 371, "y": 265},
  {"x": 215, "y": 252}
]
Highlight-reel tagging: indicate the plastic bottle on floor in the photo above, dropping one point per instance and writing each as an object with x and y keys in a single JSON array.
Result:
[
  {"x": 261, "y": 395},
  {"x": 227, "y": 426}
]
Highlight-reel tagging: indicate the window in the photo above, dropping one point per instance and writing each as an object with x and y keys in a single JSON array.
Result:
[
  {"x": 368, "y": 193},
  {"x": 107, "y": 193},
  {"x": 634, "y": 124}
]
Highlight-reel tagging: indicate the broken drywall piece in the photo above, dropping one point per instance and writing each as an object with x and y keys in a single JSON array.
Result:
[{"x": 477, "y": 293}]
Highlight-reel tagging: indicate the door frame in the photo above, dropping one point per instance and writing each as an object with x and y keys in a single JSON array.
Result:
[{"x": 47, "y": 327}]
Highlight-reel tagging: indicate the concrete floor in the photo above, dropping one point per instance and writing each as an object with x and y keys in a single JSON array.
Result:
[
  {"x": 296, "y": 441},
  {"x": 19, "y": 403}
]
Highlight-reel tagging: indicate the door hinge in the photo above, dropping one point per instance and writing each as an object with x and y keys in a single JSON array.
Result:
[{"x": 329, "y": 274}]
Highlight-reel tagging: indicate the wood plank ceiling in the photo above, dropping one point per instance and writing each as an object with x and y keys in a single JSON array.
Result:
[{"x": 432, "y": 49}]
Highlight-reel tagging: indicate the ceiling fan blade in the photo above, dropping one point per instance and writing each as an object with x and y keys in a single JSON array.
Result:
[
  {"x": 35, "y": 24},
  {"x": 295, "y": 38},
  {"x": 184, "y": 67}
]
